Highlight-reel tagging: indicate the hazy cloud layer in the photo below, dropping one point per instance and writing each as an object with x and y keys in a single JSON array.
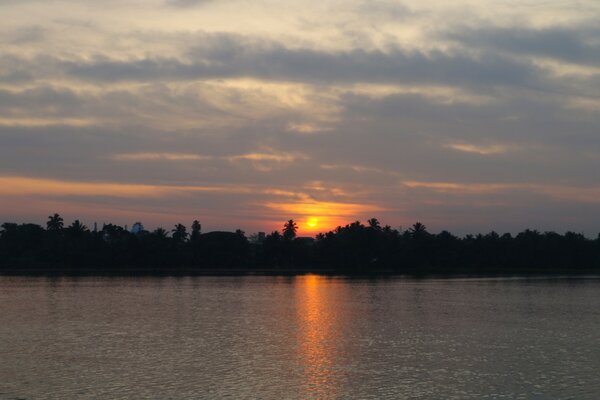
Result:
[{"x": 467, "y": 115}]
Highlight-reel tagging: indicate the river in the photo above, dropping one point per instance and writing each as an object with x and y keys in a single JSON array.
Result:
[{"x": 305, "y": 337}]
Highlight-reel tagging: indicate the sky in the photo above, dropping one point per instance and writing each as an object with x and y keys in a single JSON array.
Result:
[{"x": 469, "y": 115}]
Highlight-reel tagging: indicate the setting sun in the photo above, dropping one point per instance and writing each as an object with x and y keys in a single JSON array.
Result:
[{"x": 312, "y": 222}]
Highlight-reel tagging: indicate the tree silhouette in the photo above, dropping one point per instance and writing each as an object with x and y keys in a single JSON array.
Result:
[
  {"x": 9, "y": 228},
  {"x": 353, "y": 248},
  {"x": 160, "y": 233},
  {"x": 76, "y": 230},
  {"x": 418, "y": 229},
  {"x": 196, "y": 230},
  {"x": 77, "y": 227},
  {"x": 179, "y": 233},
  {"x": 289, "y": 230},
  {"x": 374, "y": 224},
  {"x": 55, "y": 223}
]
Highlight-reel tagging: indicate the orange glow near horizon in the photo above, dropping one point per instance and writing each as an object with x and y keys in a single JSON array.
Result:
[
  {"x": 26, "y": 186},
  {"x": 322, "y": 216},
  {"x": 45, "y": 195},
  {"x": 31, "y": 199}
]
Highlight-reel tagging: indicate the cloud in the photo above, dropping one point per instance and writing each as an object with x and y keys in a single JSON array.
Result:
[
  {"x": 479, "y": 149},
  {"x": 306, "y": 128},
  {"x": 426, "y": 110},
  {"x": 27, "y": 186},
  {"x": 26, "y": 35},
  {"x": 24, "y": 186},
  {"x": 575, "y": 45},
  {"x": 383, "y": 9},
  {"x": 280, "y": 157},
  {"x": 173, "y": 106},
  {"x": 226, "y": 55},
  {"x": 272, "y": 156},
  {"x": 569, "y": 193},
  {"x": 159, "y": 156}
]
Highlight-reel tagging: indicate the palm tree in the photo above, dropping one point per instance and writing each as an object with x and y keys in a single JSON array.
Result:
[
  {"x": 418, "y": 229},
  {"x": 160, "y": 233},
  {"x": 289, "y": 230},
  {"x": 77, "y": 226},
  {"x": 55, "y": 223},
  {"x": 179, "y": 233},
  {"x": 374, "y": 224}
]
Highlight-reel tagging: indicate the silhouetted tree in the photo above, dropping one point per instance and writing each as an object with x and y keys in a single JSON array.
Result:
[
  {"x": 418, "y": 229},
  {"x": 273, "y": 249},
  {"x": 353, "y": 248},
  {"x": 289, "y": 230},
  {"x": 374, "y": 224},
  {"x": 160, "y": 233},
  {"x": 179, "y": 233},
  {"x": 111, "y": 232},
  {"x": 9, "y": 228},
  {"x": 55, "y": 223},
  {"x": 196, "y": 230},
  {"x": 225, "y": 250},
  {"x": 77, "y": 228}
]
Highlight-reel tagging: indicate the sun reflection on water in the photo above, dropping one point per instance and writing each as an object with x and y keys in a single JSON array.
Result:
[{"x": 318, "y": 334}]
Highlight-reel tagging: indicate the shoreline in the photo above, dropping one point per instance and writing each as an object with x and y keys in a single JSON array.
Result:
[{"x": 231, "y": 272}]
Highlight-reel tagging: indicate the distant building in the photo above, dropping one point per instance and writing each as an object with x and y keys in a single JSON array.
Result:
[{"x": 137, "y": 228}]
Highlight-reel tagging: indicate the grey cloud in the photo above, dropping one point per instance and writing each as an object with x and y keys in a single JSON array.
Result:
[
  {"x": 26, "y": 35},
  {"x": 384, "y": 9},
  {"x": 575, "y": 45},
  {"x": 403, "y": 133},
  {"x": 14, "y": 69},
  {"x": 224, "y": 55},
  {"x": 52, "y": 151},
  {"x": 548, "y": 143},
  {"x": 36, "y": 98},
  {"x": 149, "y": 105}
]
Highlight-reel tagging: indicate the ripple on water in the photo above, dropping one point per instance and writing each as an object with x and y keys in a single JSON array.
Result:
[{"x": 305, "y": 337}]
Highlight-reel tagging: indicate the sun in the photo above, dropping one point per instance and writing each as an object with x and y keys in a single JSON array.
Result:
[{"x": 312, "y": 222}]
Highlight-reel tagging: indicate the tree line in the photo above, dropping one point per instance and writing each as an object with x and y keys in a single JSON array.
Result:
[{"x": 356, "y": 248}]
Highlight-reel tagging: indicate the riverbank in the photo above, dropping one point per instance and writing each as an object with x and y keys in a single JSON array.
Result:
[{"x": 185, "y": 272}]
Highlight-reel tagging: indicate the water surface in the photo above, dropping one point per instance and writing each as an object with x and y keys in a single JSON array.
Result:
[{"x": 299, "y": 337}]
